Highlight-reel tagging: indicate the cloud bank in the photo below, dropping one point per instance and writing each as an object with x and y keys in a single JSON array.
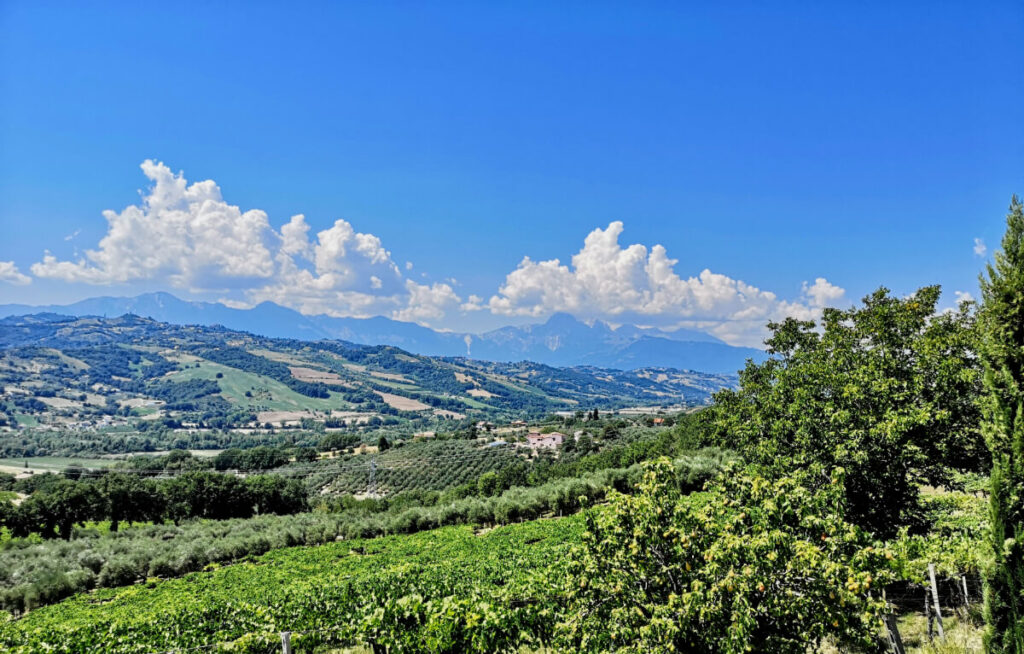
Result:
[
  {"x": 637, "y": 285},
  {"x": 188, "y": 237}
]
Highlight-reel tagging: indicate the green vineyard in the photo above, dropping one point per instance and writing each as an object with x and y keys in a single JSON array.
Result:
[{"x": 363, "y": 591}]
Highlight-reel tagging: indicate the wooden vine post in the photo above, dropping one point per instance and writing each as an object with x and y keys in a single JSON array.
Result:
[
  {"x": 935, "y": 600},
  {"x": 928, "y": 614},
  {"x": 286, "y": 642},
  {"x": 892, "y": 632}
]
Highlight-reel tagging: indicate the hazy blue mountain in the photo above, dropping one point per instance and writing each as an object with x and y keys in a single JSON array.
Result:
[{"x": 560, "y": 341}]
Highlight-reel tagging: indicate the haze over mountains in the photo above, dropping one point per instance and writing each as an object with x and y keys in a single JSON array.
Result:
[{"x": 560, "y": 341}]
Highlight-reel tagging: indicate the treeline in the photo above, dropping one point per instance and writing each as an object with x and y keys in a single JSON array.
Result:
[
  {"x": 157, "y": 436},
  {"x": 110, "y": 361},
  {"x": 56, "y": 504},
  {"x": 259, "y": 458},
  {"x": 191, "y": 395}
]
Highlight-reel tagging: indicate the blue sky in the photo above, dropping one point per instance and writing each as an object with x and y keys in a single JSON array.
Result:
[{"x": 771, "y": 144}]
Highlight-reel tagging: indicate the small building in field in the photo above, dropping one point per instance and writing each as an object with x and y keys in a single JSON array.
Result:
[
  {"x": 659, "y": 421},
  {"x": 538, "y": 441}
]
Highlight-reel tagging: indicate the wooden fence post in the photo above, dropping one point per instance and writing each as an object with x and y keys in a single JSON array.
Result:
[
  {"x": 928, "y": 614},
  {"x": 286, "y": 642},
  {"x": 892, "y": 632},
  {"x": 935, "y": 597},
  {"x": 967, "y": 596}
]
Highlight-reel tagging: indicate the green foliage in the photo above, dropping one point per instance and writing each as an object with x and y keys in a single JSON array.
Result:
[
  {"x": 32, "y": 573},
  {"x": 58, "y": 507},
  {"x": 754, "y": 565},
  {"x": 430, "y": 465},
  {"x": 206, "y": 495},
  {"x": 447, "y": 590},
  {"x": 129, "y": 498},
  {"x": 887, "y": 391},
  {"x": 1002, "y": 328},
  {"x": 953, "y": 526},
  {"x": 275, "y": 494},
  {"x": 338, "y": 441},
  {"x": 184, "y": 395}
]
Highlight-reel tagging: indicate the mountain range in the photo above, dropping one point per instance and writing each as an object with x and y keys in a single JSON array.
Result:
[{"x": 560, "y": 341}]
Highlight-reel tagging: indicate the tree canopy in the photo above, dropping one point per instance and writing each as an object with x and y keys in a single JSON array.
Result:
[{"x": 888, "y": 391}]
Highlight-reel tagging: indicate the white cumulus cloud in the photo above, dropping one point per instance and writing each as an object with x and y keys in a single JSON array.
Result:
[
  {"x": 427, "y": 303},
  {"x": 10, "y": 274},
  {"x": 184, "y": 233},
  {"x": 188, "y": 236},
  {"x": 979, "y": 247},
  {"x": 634, "y": 284}
]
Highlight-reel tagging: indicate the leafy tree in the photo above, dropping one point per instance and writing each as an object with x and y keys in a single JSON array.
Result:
[
  {"x": 275, "y": 494},
  {"x": 206, "y": 495},
  {"x": 585, "y": 444},
  {"x": 383, "y": 444},
  {"x": 887, "y": 391},
  {"x": 754, "y": 566},
  {"x": 262, "y": 458},
  {"x": 1002, "y": 353},
  {"x": 127, "y": 498},
  {"x": 229, "y": 459},
  {"x": 568, "y": 445},
  {"x": 488, "y": 483},
  {"x": 339, "y": 441},
  {"x": 63, "y": 504}
]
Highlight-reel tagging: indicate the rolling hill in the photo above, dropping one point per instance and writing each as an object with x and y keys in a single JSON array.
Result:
[{"x": 109, "y": 375}]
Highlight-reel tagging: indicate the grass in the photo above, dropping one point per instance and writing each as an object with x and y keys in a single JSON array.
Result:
[
  {"x": 26, "y": 420},
  {"x": 473, "y": 403},
  {"x": 235, "y": 383},
  {"x": 963, "y": 633},
  {"x": 54, "y": 463}
]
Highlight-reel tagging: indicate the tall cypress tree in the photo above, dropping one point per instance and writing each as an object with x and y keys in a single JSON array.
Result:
[{"x": 1002, "y": 352}]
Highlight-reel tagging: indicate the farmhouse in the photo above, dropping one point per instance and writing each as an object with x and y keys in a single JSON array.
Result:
[{"x": 538, "y": 441}]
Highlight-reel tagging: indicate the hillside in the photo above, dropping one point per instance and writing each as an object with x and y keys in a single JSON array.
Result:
[
  {"x": 560, "y": 341},
  {"x": 93, "y": 376}
]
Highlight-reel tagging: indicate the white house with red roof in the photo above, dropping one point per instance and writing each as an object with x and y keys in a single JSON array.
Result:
[{"x": 537, "y": 441}]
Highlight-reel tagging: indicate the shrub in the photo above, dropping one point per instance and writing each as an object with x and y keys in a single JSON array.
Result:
[
  {"x": 754, "y": 565},
  {"x": 118, "y": 572}
]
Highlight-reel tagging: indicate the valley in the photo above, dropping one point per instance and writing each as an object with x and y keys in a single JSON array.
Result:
[{"x": 74, "y": 386}]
